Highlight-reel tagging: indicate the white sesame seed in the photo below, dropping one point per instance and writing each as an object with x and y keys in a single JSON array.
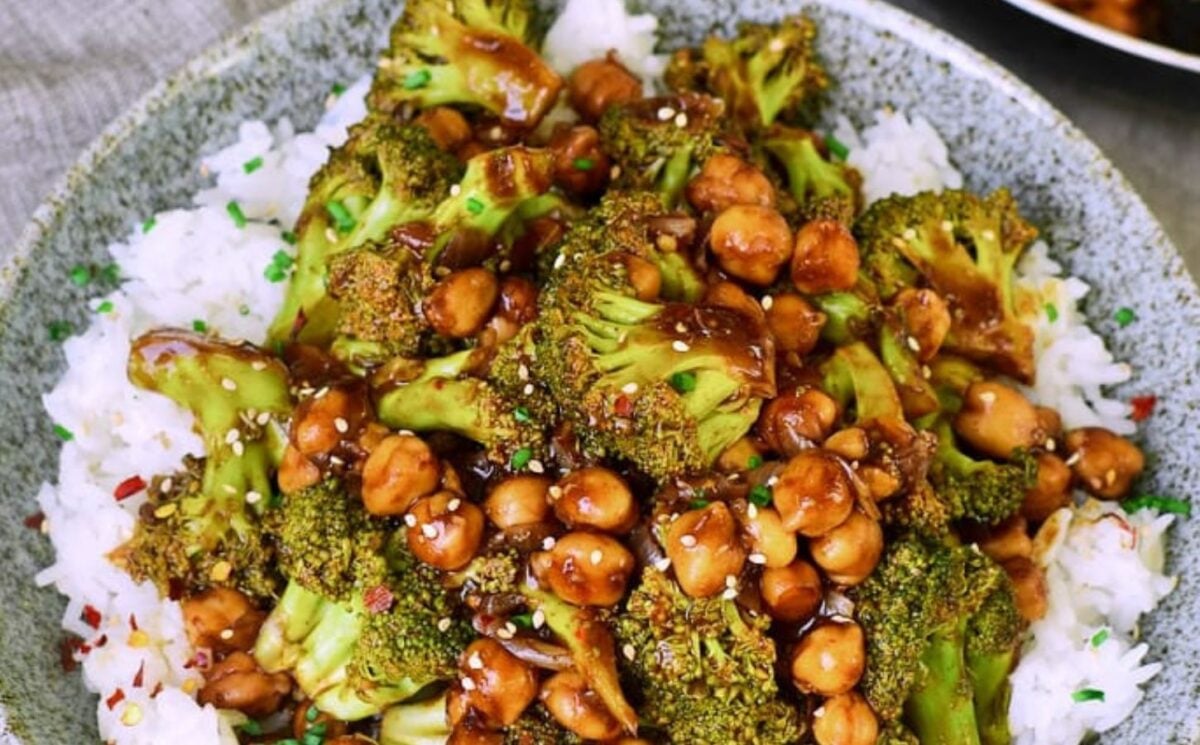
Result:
[
  {"x": 443, "y": 624},
  {"x": 539, "y": 618},
  {"x": 428, "y": 531},
  {"x": 233, "y": 436},
  {"x": 926, "y": 372},
  {"x": 687, "y": 540},
  {"x": 506, "y": 633},
  {"x": 629, "y": 652},
  {"x": 681, "y": 120},
  {"x": 522, "y": 371},
  {"x": 410, "y": 520},
  {"x": 1051, "y": 445},
  {"x": 947, "y": 226},
  {"x": 909, "y": 234},
  {"x": 468, "y": 684},
  {"x": 536, "y": 466},
  {"x": 767, "y": 302},
  {"x": 989, "y": 235},
  {"x": 384, "y": 63},
  {"x": 226, "y": 634},
  {"x": 453, "y": 504},
  {"x": 772, "y": 481},
  {"x": 776, "y": 45},
  {"x": 238, "y": 448},
  {"x": 596, "y": 557},
  {"x": 729, "y": 594},
  {"x": 555, "y": 491},
  {"x": 988, "y": 398},
  {"x": 229, "y": 489},
  {"x": 730, "y": 581},
  {"x": 752, "y": 510},
  {"x": 819, "y": 712},
  {"x": 336, "y": 461},
  {"x": 341, "y": 425},
  {"x": 680, "y": 346},
  {"x": 548, "y": 543},
  {"x": 322, "y": 393},
  {"x": 455, "y": 190},
  {"x": 913, "y": 344},
  {"x": 560, "y": 260},
  {"x": 262, "y": 419},
  {"x": 528, "y": 389},
  {"x": 681, "y": 327},
  {"x": 475, "y": 662},
  {"x": 757, "y": 558},
  {"x": 614, "y": 173},
  {"x": 629, "y": 388},
  {"x": 166, "y": 485},
  {"x": 253, "y": 497},
  {"x": 663, "y": 564},
  {"x": 666, "y": 113},
  {"x": 331, "y": 235}
]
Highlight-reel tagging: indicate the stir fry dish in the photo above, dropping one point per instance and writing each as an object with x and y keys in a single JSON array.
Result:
[{"x": 593, "y": 415}]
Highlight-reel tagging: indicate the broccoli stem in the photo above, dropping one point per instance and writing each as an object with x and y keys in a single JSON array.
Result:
[
  {"x": 847, "y": 315},
  {"x": 989, "y": 677},
  {"x": 421, "y": 723},
  {"x": 916, "y": 392},
  {"x": 855, "y": 373},
  {"x": 940, "y": 709}
]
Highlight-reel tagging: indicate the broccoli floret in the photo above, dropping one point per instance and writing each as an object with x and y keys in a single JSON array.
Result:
[
  {"x": 819, "y": 187},
  {"x": 918, "y": 611},
  {"x": 981, "y": 490},
  {"x": 439, "y": 395},
  {"x": 419, "y": 723},
  {"x": 705, "y": 671},
  {"x": 895, "y": 733},
  {"x": 667, "y": 386},
  {"x": 993, "y": 638},
  {"x": 384, "y": 175},
  {"x": 537, "y": 727},
  {"x": 768, "y": 71},
  {"x": 656, "y": 143},
  {"x": 204, "y": 528},
  {"x": 965, "y": 248},
  {"x": 466, "y": 52}
]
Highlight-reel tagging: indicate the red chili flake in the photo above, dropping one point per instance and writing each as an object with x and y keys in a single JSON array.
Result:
[
  {"x": 141, "y": 673},
  {"x": 378, "y": 599},
  {"x": 439, "y": 384},
  {"x": 298, "y": 324},
  {"x": 91, "y": 616},
  {"x": 623, "y": 406},
  {"x": 158, "y": 687},
  {"x": 101, "y": 641},
  {"x": 133, "y": 622},
  {"x": 117, "y": 697},
  {"x": 175, "y": 588},
  {"x": 1143, "y": 407},
  {"x": 66, "y": 652},
  {"x": 35, "y": 521},
  {"x": 128, "y": 488},
  {"x": 85, "y": 648}
]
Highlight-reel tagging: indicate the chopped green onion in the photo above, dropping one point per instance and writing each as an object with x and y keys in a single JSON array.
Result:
[
  {"x": 63, "y": 433},
  {"x": 59, "y": 330},
  {"x": 148, "y": 225},
  {"x": 522, "y": 415},
  {"x": 584, "y": 164},
  {"x": 343, "y": 221},
  {"x": 760, "y": 495},
  {"x": 199, "y": 326},
  {"x": 243, "y": 310},
  {"x": 417, "y": 79},
  {"x": 105, "y": 307},
  {"x": 520, "y": 459},
  {"x": 277, "y": 270},
  {"x": 698, "y": 504},
  {"x": 311, "y": 714},
  {"x": 837, "y": 148},
  {"x": 288, "y": 741},
  {"x": 1099, "y": 637},
  {"x": 1124, "y": 317},
  {"x": 252, "y": 728},
  {"x": 80, "y": 275},
  {"x": 522, "y": 620},
  {"x": 754, "y": 462},
  {"x": 684, "y": 382},
  {"x": 474, "y": 205},
  {"x": 1088, "y": 694},
  {"x": 252, "y": 165},
  {"x": 275, "y": 500},
  {"x": 337, "y": 89},
  {"x": 110, "y": 273},
  {"x": 313, "y": 738},
  {"x": 235, "y": 213},
  {"x": 1159, "y": 504},
  {"x": 1052, "y": 312},
  {"x": 288, "y": 237}
]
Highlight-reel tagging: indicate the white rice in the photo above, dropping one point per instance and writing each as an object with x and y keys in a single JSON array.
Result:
[
  {"x": 587, "y": 29},
  {"x": 898, "y": 156}
]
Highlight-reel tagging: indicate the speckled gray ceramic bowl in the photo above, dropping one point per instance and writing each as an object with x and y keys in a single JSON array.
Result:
[{"x": 999, "y": 131}]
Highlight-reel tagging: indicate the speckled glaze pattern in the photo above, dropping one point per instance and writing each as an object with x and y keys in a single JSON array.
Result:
[{"x": 999, "y": 132}]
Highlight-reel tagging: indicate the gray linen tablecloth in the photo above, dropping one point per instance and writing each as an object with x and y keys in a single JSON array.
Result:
[{"x": 68, "y": 67}]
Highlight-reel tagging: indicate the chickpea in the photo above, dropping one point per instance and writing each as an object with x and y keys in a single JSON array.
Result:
[
  {"x": 595, "y": 498},
  {"x": 725, "y": 181},
  {"x": 371, "y": 435},
  {"x": 296, "y": 472},
  {"x": 597, "y": 84},
  {"x": 580, "y": 166},
  {"x": 315, "y": 429},
  {"x": 814, "y": 493},
  {"x": 237, "y": 682},
  {"x": 830, "y": 658},
  {"x": 222, "y": 619},
  {"x": 728, "y": 295},
  {"x": 849, "y": 552},
  {"x": 825, "y": 258},
  {"x": 1104, "y": 463},
  {"x": 451, "y": 481},
  {"x": 575, "y": 706},
  {"x": 1052, "y": 490},
  {"x": 794, "y": 422},
  {"x": 1029, "y": 588},
  {"x": 644, "y": 276},
  {"x": 996, "y": 420},
  {"x": 880, "y": 482},
  {"x": 704, "y": 549},
  {"x": 751, "y": 242},
  {"x": 400, "y": 470},
  {"x": 738, "y": 456},
  {"x": 502, "y": 685},
  {"x": 444, "y": 530},
  {"x": 448, "y": 128},
  {"x": 792, "y": 593},
  {"x": 926, "y": 319},
  {"x": 518, "y": 500},
  {"x": 846, "y": 719},
  {"x": 459, "y": 305},
  {"x": 770, "y": 544},
  {"x": 585, "y": 568},
  {"x": 1008, "y": 540},
  {"x": 334, "y": 729},
  {"x": 1049, "y": 420},
  {"x": 851, "y": 443},
  {"x": 794, "y": 323},
  {"x": 516, "y": 307}
]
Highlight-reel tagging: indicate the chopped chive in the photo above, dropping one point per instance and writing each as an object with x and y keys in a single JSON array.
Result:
[
  {"x": 80, "y": 275},
  {"x": 317, "y": 730},
  {"x": 337, "y": 89},
  {"x": 312, "y": 738},
  {"x": 288, "y": 741},
  {"x": 252, "y": 165},
  {"x": 698, "y": 504},
  {"x": 288, "y": 237},
  {"x": 474, "y": 205},
  {"x": 522, "y": 620},
  {"x": 684, "y": 382},
  {"x": 1088, "y": 694},
  {"x": 520, "y": 459},
  {"x": 274, "y": 273},
  {"x": 1052, "y": 312},
  {"x": 312, "y": 714},
  {"x": 148, "y": 225},
  {"x": 1124, "y": 317},
  {"x": 754, "y": 462},
  {"x": 243, "y": 310},
  {"x": 522, "y": 415},
  {"x": 417, "y": 79},
  {"x": 1099, "y": 637},
  {"x": 583, "y": 164},
  {"x": 199, "y": 326},
  {"x": 105, "y": 307},
  {"x": 59, "y": 330},
  {"x": 252, "y": 728},
  {"x": 343, "y": 221},
  {"x": 235, "y": 213},
  {"x": 277, "y": 270},
  {"x": 110, "y": 273},
  {"x": 1159, "y": 504},
  {"x": 760, "y": 495},
  {"x": 63, "y": 433},
  {"x": 836, "y": 147}
]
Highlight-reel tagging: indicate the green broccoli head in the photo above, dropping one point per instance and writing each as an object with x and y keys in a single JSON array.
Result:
[
  {"x": 819, "y": 187},
  {"x": 656, "y": 143},
  {"x": 965, "y": 248},
  {"x": 705, "y": 671},
  {"x": 383, "y": 176},
  {"x": 667, "y": 386},
  {"x": 466, "y": 52},
  {"x": 537, "y": 727},
  {"x": 205, "y": 528},
  {"x": 981, "y": 490}
]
